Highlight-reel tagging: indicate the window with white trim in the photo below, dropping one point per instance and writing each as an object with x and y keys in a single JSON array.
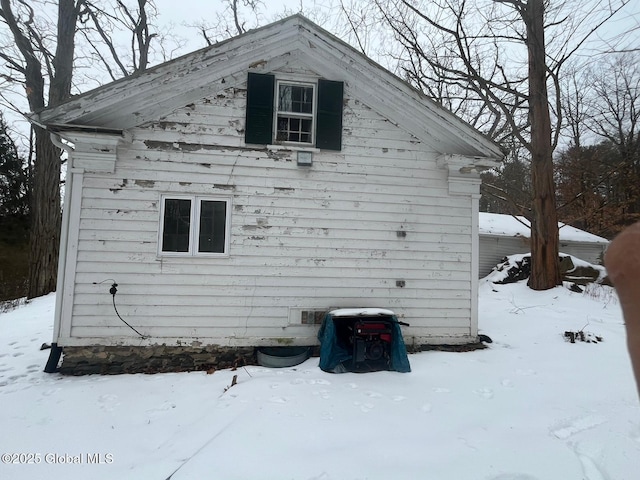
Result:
[
  {"x": 295, "y": 109},
  {"x": 194, "y": 225}
]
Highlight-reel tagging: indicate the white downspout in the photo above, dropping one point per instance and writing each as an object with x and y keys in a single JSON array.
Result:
[{"x": 64, "y": 235}]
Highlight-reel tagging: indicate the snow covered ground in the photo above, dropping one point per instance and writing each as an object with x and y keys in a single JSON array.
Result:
[{"x": 530, "y": 407}]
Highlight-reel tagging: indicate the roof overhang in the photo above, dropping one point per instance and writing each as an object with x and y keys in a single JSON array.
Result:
[{"x": 145, "y": 97}]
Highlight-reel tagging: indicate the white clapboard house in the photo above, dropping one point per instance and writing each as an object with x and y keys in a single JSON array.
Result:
[{"x": 238, "y": 192}]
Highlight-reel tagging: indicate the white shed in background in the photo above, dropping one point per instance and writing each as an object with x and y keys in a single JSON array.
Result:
[{"x": 502, "y": 235}]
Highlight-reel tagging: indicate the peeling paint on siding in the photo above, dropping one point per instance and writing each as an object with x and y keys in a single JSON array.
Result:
[
  {"x": 237, "y": 126},
  {"x": 280, "y": 155},
  {"x": 145, "y": 183},
  {"x": 194, "y": 147},
  {"x": 171, "y": 125},
  {"x": 258, "y": 64}
]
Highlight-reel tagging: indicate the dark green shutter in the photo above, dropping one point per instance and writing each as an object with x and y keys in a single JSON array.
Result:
[
  {"x": 329, "y": 127},
  {"x": 259, "y": 121}
]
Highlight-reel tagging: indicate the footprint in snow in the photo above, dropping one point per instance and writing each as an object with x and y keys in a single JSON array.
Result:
[
  {"x": 572, "y": 426},
  {"x": 398, "y": 398},
  {"x": 318, "y": 381},
  {"x": 441, "y": 390},
  {"x": 373, "y": 395},
  {"x": 278, "y": 400},
  {"x": 426, "y": 408},
  {"x": 108, "y": 402},
  {"x": 364, "y": 407},
  {"x": 326, "y": 416},
  {"x": 484, "y": 393},
  {"x": 324, "y": 394},
  {"x": 507, "y": 383},
  {"x": 165, "y": 407}
]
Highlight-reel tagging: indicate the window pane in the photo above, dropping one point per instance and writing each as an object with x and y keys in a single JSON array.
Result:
[
  {"x": 282, "y": 134},
  {"x": 177, "y": 225},
  {"x": 295, "y": 99},
  {"x": 213, "y": 220},
  {"x": 292, "y": 129},
  {"x": 284, "y": 98}
]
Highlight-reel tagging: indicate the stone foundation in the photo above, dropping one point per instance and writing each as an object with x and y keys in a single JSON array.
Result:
[
  {"x": 104, "y": 360},
  {"x": 152, "y": 359}
]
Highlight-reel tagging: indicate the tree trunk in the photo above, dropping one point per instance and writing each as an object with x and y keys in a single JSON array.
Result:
[
  {"x": 545, "y": 266},
  {"x": 45, "y": 217}
]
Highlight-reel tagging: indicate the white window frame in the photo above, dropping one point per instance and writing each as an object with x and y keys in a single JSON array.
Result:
[
  {"x": 312, "y": 115},
  {"x": 194, "y": 225}
]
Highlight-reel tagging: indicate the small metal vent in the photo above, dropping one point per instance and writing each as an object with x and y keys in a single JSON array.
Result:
[{"x": 312, "y": 317}]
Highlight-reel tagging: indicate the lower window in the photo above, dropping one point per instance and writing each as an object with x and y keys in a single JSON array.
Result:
[{"x": 194, "y": 225}]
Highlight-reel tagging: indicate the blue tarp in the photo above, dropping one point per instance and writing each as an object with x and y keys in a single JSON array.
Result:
[{"x": 336, "y": 357}]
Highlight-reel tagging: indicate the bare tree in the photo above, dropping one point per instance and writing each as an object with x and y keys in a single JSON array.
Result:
[
  {"x": 575, "y": 87},
  {"x": 100, "y": 24},
  {"x": 597, "y": 189},
  {"x": 500, "y": 58},
  {"x": 41, "y": 59},
  {"x": 615, "y": 104},
  {"x": 232, "y": 20},
  {"x": 33, "y": 62},
  {"x": 604, "y": 178}
]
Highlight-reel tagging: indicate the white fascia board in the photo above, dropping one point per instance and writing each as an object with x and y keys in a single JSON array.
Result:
[{"x": 174, "y": 83}]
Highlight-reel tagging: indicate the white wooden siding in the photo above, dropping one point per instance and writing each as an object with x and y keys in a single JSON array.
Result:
[
  {"x": 312, "y": 238},
  {"x": 493, "y": 248}
]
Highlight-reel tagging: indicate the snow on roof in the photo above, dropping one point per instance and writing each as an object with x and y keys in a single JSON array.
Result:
[
  {"x": 509, "y": 226},
  {"x": 360, "y": 312}
]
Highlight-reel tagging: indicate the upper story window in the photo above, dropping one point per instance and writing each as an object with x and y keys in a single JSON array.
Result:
[
  {"x": 295, "y": 112},
  {"x": 285, "y": 111},
  {"x": 193, "y": 225}
]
